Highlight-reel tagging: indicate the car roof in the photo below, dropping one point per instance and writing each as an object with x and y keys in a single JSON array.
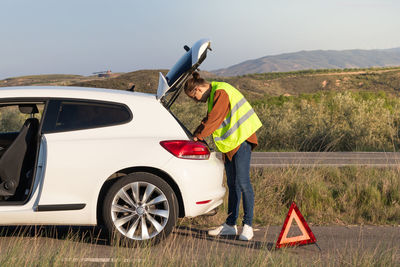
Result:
[{"x": 71, "y": 92}]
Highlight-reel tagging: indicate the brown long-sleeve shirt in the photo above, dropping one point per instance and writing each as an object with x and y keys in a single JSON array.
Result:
[{"x": 215, "y": 118}]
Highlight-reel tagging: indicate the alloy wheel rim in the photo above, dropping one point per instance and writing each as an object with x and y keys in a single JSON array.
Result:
[{"x": 140, "y": 210}]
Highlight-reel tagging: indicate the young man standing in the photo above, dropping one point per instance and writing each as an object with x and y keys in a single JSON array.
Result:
[{"x": 233, "y": 123}]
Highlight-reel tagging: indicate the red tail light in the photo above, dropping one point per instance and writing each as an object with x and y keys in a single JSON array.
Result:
[{"x": 186, "y": 149}]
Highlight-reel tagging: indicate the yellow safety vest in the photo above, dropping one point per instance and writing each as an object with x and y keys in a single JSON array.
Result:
[{"x": 240, "y": 123}]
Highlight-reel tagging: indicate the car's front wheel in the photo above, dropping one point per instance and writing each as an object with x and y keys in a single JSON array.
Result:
[{"x": 140, "y": 207}]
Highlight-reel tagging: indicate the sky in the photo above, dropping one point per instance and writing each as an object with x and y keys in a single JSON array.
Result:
[{"x": 86, "y": 36}]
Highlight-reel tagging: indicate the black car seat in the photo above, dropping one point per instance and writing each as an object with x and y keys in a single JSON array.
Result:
[{"x": 13, "y": 162}]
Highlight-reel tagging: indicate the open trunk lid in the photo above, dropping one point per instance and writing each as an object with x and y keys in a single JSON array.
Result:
[{"x": 172, "y": 84}]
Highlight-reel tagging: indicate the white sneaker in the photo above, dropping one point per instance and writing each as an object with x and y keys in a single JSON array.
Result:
[
  {"x": 223, "y": 230},
  {"x": 247, "y": 233}
]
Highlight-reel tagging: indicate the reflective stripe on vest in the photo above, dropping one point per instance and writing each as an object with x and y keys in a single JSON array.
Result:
[
  {"x": 234, "y": 109},
  {"x": 240, "y": 123},
  {"x": 235, "y": 126}
]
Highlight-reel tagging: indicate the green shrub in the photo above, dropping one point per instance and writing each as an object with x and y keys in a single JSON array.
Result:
[
  {"x": 340, "y": 121},
  {"x": 11, "y": 120}
]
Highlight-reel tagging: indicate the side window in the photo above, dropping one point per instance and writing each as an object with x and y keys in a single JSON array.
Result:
[
  {"x": 13, "y": 116},
  {"x": 75, "y": 115}
]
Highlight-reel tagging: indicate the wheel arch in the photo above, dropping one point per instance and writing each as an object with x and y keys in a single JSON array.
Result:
[{"x": 121, "y": 173}]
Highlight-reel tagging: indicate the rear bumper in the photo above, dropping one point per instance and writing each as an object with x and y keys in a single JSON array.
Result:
[
  {"x": 200, "y": 183},
  {"x": 195, "y": 209}
]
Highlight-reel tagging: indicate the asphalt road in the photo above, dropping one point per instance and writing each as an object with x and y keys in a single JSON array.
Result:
[
  {"x": 282, "y": 159},
  {"x": 193, "y": 245}
]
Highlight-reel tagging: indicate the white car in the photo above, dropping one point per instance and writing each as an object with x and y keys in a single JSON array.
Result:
[{"x": 119, "y": 159}]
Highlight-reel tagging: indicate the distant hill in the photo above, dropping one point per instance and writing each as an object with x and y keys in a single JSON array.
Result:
[{"x": 318, "y": 59}]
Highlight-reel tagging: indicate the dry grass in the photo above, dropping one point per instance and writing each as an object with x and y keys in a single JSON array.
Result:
[
  {"x": 46, "y": 248},
  {"x": 326, "y": 195},
  {"x": 331, "y": 122}
]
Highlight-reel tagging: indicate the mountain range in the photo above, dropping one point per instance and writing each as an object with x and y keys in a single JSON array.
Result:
[{"x": 316, "y": 59}]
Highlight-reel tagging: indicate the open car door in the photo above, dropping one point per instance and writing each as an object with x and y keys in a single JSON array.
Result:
[{"x": 171, "y": 85}]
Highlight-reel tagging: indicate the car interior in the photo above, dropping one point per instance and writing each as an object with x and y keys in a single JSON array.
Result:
[{"x": 18, "y": 151}]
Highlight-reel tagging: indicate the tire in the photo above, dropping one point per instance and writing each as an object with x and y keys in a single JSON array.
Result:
[{"x": 140, "y": 208}]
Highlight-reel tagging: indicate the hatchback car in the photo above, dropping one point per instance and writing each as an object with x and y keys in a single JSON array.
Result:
[{"x": 119, "y": 159}]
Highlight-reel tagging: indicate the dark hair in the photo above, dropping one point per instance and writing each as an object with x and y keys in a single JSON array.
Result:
[{"x": 193, "y": 82}]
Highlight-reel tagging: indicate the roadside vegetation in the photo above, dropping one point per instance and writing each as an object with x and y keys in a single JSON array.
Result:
[
  {"x": 330, "y": 121},
  {"x": 325, "y": 196},
  {"x": 47, "y": 247}
]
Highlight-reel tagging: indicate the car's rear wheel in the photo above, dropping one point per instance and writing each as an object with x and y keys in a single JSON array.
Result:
[{"x": 140, "y": 207}]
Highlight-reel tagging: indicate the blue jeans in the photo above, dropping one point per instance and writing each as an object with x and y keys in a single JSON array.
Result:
[{"x": 238, "y": 180}]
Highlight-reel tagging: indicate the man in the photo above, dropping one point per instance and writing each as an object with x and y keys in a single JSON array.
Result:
[{"x": 233, "y": 123}]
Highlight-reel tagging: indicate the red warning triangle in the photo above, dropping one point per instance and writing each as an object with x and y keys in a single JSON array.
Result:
[{"x": 307, "y": 236}]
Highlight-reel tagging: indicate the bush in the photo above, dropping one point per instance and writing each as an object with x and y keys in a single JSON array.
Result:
[
  {"x": 343, "y": 121},
  {"x": 11, "y": 120}
]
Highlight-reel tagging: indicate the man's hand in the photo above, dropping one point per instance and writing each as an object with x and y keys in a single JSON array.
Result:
[{"x": 195, "y": 139}]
